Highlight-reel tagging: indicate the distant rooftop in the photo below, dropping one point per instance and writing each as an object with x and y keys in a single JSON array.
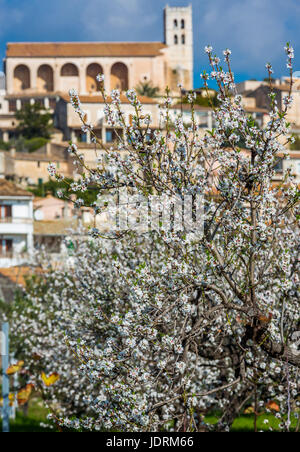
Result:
[
  {"x": 85, "y": 99},
  {"x": 83, "y": 49},
  {"x": 98, "y": 99},
  {"x": 187, "y": 107},
  {"x": 8, "y": 188},
  {"x": 59, "y": 227},
  {"x": 18, "y": 274}
]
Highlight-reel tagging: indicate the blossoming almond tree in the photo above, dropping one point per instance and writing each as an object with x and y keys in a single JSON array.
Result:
[
  {"x": 56, "y": 302},
  {"x": 60, "y": 300},
  {"x": 212, "y": 325}
]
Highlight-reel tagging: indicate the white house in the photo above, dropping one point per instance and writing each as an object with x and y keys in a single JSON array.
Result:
[{"x": 16, "y": 224}]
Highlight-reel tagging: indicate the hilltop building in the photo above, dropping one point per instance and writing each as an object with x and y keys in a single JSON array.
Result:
[
  {"x": 51, "y": 67},
  {"x": 44, "y": 72}
]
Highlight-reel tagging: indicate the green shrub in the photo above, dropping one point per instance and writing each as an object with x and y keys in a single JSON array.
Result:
[
  {"x": 296, "y": 145},
  {"x": 4, "y": 146},
  {"x": 29, "y": 145},
  {"x": 35, "y": 143}
]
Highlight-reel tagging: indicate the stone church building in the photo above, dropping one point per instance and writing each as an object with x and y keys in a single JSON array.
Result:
[{"x": 52, "y": 67}]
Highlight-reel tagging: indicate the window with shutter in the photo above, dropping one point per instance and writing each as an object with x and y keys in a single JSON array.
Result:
[{"x": 6, "y": 246}]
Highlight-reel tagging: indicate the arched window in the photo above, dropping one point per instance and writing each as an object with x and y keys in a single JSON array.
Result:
[
  {"x": 69, "y": 70},
  {"x": 45, "y": 78},
  {"x": 182, "y": 23},
  {"x": 21, "y": 78},
  {"x": 119, "y": 77},
  {"x": 175, "y": 23},
  {"x": 182, "y": 39},
  {"x": 69, "y": 78},
  {"x": 175, "y": 39},
  {"x": 92, "y": 84}
]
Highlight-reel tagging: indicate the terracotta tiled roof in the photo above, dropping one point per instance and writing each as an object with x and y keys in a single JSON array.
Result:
[
  {"x": 294, "y": 155},
  {"x": 187, "y": 107},
  {"x": 17, "y": 275},
  {"x": 255, "y": 109},
  {"x": 54, "y": 227},
  {"x": 30, "y": 93},
  {"x": 8, "y": 188},
  {"x": 266, "y": 87},
  {"x": 83, "y": 49},
  {"x": 95, "y": 98},
  {"x": 98, "y": 99},
  {"x": 39, "y": 156}
]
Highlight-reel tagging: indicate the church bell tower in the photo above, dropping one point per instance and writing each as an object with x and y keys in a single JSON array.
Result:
[{"x": 178, "y": 36}]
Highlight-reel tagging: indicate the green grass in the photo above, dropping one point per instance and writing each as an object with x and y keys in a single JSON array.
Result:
[
  {"x": 245, "y": 423},
  {"x": 37, "y": 413},
  {"x": 27, "y": 424}
]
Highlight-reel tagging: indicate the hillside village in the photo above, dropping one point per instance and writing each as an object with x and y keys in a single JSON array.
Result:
[
  {"x": 149, "y": 219},
  {"x": 42, "y": 73}
]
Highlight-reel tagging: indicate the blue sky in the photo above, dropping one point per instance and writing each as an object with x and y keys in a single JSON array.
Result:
[{"x": 255, "y": 30}]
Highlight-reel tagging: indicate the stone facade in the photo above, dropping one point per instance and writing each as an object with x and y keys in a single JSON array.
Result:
[{"x": 31, "y": 168}]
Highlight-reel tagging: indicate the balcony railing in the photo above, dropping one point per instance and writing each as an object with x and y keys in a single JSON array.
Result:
[
  {"x": 15, "y": 255},
  {"x": 16, "y": 220},
  {"x": 7, "y": 255}
]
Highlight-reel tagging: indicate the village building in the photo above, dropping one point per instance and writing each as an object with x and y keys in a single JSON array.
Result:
[
  {"x": 30, "y": 168},
  {"x": 44, "y": 72},
  {"x": 16, "y": 224},
  {"x": 51, "y": 67},
  {"x": 51, "y": 208},
  {"x": 204, "y": 115},
  {"x": 71, "y": 126},
  {"x": 255, "y": 94}
]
